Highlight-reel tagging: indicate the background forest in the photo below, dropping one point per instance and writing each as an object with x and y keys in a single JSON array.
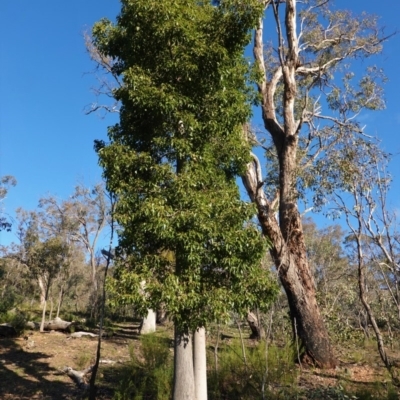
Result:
[{"x": 203, "y": 247}]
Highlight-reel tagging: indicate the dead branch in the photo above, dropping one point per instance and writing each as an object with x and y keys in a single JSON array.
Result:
[{"x": 78, "y": 376}]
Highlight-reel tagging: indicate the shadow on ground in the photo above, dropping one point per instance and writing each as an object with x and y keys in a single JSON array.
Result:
[{"x": 24, "y": 375}]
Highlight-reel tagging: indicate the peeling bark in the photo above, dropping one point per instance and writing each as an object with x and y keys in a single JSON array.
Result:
[
  {"x": 289, "y": 255},
  {"x": 286, "y": 235}
]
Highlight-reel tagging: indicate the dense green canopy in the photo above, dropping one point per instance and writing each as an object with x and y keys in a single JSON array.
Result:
[{"x": 174, "y": 156}]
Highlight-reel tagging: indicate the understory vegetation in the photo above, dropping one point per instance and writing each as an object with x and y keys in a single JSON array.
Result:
[{"x": 256, "y": 370}]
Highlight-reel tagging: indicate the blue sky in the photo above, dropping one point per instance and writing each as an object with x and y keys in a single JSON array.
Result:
[{"x": 46, "y": 140}]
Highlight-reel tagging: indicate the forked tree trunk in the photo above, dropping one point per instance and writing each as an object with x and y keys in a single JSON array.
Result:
[
  {"x": 289, "y": 254},
  {"x": 200, "y": 363},
  {"x": 148, "y": 323},
  {"x": 288, "y": 248},
  {"x": 184, "y": 387}
]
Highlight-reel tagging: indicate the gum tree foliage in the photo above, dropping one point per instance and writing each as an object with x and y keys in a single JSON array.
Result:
[
  {"x": 83, "y": 217},
  {"x": 173, "y": 158},
  {"x": 373, "y": 243},
  {"x": 38, "y": 231},
  {"x": 310, "y": 101},
  {"x": 45, "y": 256},
  {"x": 335, "y": 279},
  {"x": 5, "y": 183}
]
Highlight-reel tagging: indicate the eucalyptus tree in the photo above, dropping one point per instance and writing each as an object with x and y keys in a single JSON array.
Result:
[
  {"x": 172, "y": 162},
  {"x": 374, "y": 238},
  {"x": 81, "y": 218},
  {"x": 304, "y": 70},
  {"x": 45, "y": 256}
]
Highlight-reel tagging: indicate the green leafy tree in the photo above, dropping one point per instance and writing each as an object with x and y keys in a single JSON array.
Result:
[
  {"x": 310, "y": 100},
  {"x": 80, "y": 219},
  {"x": 172, "y": 162},
  {"x": 44, "y": 256}
]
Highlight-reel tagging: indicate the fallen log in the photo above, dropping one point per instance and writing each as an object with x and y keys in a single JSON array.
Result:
[
  {"x": 81, "y": 334},
  {"x": 57, "y": 324},
  {"x": 78, "y": 376}
]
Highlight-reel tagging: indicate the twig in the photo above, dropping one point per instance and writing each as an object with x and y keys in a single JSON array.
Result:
[
  {"x": 92, "y": 391},
  {"x": 216, "y": 351},
  {"x": 242, "y": 343}
]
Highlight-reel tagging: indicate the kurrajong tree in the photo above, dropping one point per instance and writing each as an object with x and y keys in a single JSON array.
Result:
[
  {"x": 314, "y": 45},
  {"x": 185, "y": 239}
]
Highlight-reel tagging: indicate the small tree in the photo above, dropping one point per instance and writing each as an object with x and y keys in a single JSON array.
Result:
[
  {"x": 46, "y": 259},
  {"x": 82, "y": 219},
  {"x": 46, "y": 252}
]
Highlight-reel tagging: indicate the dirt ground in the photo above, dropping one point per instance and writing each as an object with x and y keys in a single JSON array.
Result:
[{"x": 30, "y": 366}]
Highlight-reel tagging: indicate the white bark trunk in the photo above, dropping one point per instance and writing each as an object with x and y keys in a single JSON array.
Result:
[
  {"x": 148, "y": 323},
  {"x": 183, "y": 368},
  {"x": 43, "y": 316},
  {"x": 42, "y": 290},
  {"x": 200, "y": 364},
  {"x": 60, "y": 299},
  {"x": 51, "y": 309}
]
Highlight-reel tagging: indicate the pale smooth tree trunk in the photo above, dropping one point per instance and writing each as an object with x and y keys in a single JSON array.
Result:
[
  {"x": 42, "y": 290},
  {"x": 60, "y": 299},
  {"x": 51, "y": 309},
  {"x": 200, "y": 363},
  {"x": 184, "y": 387},
  {"x": 41, "y": 329},
  {"x": 46, "y": 296},
  {"x": 148, "y": 323}
]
